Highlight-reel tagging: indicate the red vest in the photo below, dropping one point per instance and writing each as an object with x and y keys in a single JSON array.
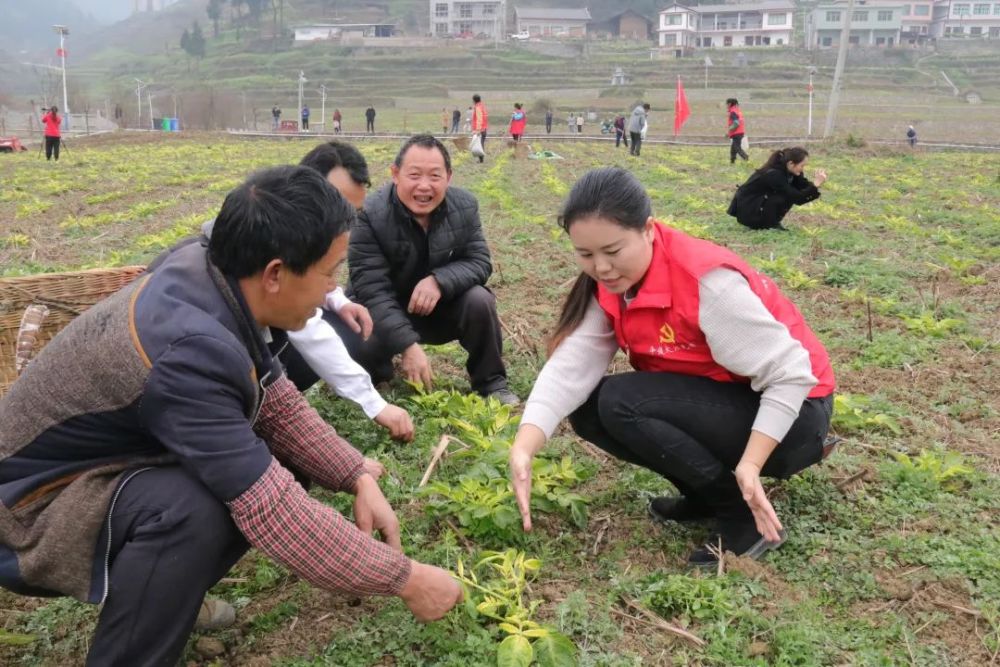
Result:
[
  {"x": 739, "y": 117},
  {"x": 659, "y": 330},
  {"x": 52, "y": 122}
]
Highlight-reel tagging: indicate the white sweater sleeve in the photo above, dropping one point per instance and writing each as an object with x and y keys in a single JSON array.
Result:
[
  {"x": 746, "y": 339},
  {"x": 572, "y": 372},
  {"x": 324, "y": 351},
  {"x": 336, "y": 299}
]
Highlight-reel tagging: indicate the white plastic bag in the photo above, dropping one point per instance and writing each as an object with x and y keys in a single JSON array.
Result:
[
  {"x": 745, "y": 143},
  {"x": 476, "y": 146}
]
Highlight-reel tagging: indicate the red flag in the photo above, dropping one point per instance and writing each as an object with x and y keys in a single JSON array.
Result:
[
  {"x": 60, "y": 53},
  {"x": 681, "y": 109}
]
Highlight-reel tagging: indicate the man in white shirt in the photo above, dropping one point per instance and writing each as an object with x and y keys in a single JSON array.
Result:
[{"x": 316, "y": 351}]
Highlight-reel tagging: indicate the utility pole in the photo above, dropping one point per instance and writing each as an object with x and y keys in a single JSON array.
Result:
[
  {"x": 809, "y": 125},
  {"x": 149, "y": 99},
  {"x": 63, "y": 31},
  {"x": 845, "y": 38},
  {"x": 302, "y": 81},
  {"x": 139, "y": 85},
  {"x": 322, "y": 113}
]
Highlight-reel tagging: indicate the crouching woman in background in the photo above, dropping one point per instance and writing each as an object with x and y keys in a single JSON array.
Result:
[
  {"x": 729, "y": 384},
  {"x": 772, "y": 190}
]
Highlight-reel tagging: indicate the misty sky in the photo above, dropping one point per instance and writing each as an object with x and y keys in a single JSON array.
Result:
[{"x": 105, "y": 11}]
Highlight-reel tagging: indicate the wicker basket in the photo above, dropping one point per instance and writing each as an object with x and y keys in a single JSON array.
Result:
[{"x": 65, "y": 294}]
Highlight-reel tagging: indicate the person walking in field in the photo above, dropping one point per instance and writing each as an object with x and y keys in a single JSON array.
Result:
[
  {"x": 735, "y": 130},
  {"x": 579, "y": 123},
  {"x": 53, "y": 133},
  {"x": 729, "y": 384},
  {"x": 518, "y": 120},
  {"x": 305, "y": 118},
  {"x": 480, "y": 121},
  {"x": 620, "y": 131},
  {"x": 338, "y": 119},
  {"x": 911, "y": 136},
  {"x": 275, "y": 117},
  {"x": 456, "y": 120},
  {"x": 571, "y": 122},
  {"x": 548, "y": 121},
  {"x": 636, "y": 127},
  {"x": 780, "y": 183},
  {"x": 370, "y": 119}
]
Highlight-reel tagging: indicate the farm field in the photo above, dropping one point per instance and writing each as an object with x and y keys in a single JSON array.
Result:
[{"x": 893, "y": 556}]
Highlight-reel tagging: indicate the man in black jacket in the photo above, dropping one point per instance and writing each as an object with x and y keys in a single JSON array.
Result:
[{"x": 419, "y": 263}]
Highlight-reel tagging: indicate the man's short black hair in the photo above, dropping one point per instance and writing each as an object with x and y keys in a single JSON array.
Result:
[
  {"x": 332, "y": 154},
  {"x": 287, "y": 213},
  {"x": 476, "y": 98},
  {"x": 732, "y": 102},
  {"x": 424, "y": 141}
]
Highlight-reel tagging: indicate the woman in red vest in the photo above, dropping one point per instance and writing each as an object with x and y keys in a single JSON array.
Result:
[
  {"x": 735, "y": 130},
  {"x": 730, "y": 384},
  {"x": 53, "y": 135},
  {"x": 518, "y": 120}
]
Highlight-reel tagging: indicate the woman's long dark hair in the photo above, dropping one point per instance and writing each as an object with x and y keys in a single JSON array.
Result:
[
  {"x": 779, "y": 159},
  {"x": 611, "y": 193}
]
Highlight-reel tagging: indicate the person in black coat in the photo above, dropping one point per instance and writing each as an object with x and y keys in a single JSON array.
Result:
[
  {"x": 419, "y": 262},
  {"x": 772, "y": 190}
]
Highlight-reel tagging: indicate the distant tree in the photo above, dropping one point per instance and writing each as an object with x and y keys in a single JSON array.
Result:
[
  {"x": 186, "y": 41},
  {"x": 197, "y": 41},
  {"x": 214, "y": 11},
  {"x": 254, "y": 9},
  {"x": 237, "y": 16}
]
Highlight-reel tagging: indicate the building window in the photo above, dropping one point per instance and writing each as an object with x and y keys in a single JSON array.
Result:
[
  {"x": 489, "y": 10},
  {"x": 976, "y": 31},
  {"x": 767, "y": 41},
  {"x": 996, "y": 11},
  {"x": 860, "y": 17},
  {"x": 921, "y": 10},
  {"x": 780, "y": 41},
  {"x": 776, "y": 19},
  {"x": 885, "y": 15},
  {"x": 826, "y": 41},
  {"x": 465, "y": 11},
  {"x": 906, "y": 10},
  {"x": 727, "y": 40},
  {"x": 981, "y": 9},
  {"x": 833, "y": 17},
  {"x": 441, "y": 28},
  {"x": 854, "y": 40},
  {"x": 880, "y": 41},
  {"x": 669, "y": 40},
  {"x": 994, "y": 33},
  {"x": 673, "y": 19},
  {"x": 441, "y": 10},
  {"x": 960, "y": 10},
  {"x": 748, "y": 40}
]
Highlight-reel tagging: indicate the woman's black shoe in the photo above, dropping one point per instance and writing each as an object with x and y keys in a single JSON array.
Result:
[{"x": 678, "y": 508}]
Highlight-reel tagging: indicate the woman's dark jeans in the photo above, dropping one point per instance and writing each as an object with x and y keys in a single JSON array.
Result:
[{"x": 692, "y": 430}]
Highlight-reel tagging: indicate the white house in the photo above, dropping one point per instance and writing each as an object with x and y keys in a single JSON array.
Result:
[
  {"x": 552, "y": 21},
  {"x": 324, "y": 31},
  {"x": 767, "y": 23},
  {"x": 966, "y": 18},
  {"x": 468, "y": 18}
]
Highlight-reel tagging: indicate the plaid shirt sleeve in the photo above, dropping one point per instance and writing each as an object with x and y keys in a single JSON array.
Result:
[
  {"x": 296, "y": 434},
  {"x": 313, "y": 540}
]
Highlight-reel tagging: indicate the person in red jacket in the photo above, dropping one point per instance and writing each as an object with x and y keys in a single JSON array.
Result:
[
  {"x": 735, "y": 130},
  {"x": 518, "y": 120},
  {"x": 480, "y": 120},
  {"x": 53, "y": 135},
  {"x": 730, "y": 383}
]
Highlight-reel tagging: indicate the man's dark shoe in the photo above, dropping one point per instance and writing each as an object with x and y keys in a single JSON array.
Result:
[
  {"x": 505, "y": 396},
  {"x": 678, "y": 508},
  {"x": 215, "y": 614},
  {"x": 737, "y": 535}
]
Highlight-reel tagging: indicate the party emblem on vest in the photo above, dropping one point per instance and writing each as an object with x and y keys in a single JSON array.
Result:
[{"x": 667, "y": 334}]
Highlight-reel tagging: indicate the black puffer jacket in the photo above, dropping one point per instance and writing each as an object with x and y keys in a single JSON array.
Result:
[
  {"x": 390, "y": 253},
  {"x": 763, "y": 201}
]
